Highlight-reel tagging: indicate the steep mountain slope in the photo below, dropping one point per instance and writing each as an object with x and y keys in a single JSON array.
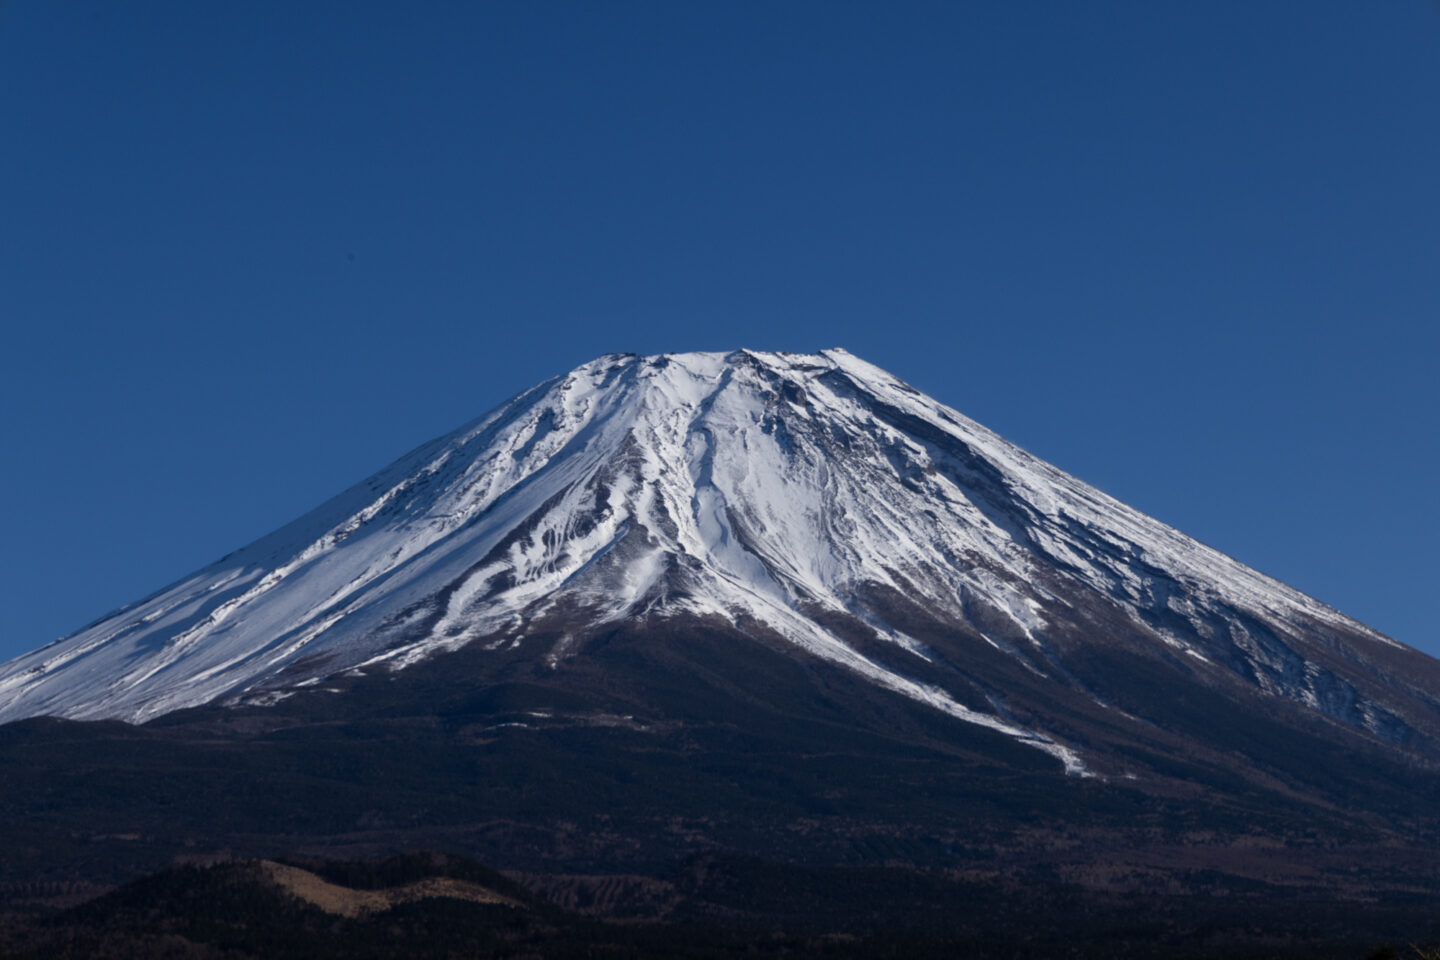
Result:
[{"x": 810, "y": 505}]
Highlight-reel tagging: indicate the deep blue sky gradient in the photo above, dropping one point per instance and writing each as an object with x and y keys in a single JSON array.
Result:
[{"x": 251, "y": 252}]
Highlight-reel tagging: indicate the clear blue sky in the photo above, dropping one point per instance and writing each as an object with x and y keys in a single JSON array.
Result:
[{"x": 251, "y": 252}]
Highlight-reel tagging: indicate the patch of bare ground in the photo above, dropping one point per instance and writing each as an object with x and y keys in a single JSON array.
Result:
[{"x": 349, "y": 902}]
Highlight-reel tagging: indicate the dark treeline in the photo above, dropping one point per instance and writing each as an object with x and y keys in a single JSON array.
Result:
[{"x": 743, "y": 908}]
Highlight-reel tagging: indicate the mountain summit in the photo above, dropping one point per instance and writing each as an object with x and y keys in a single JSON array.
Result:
[{"x": 811, "y": 505}]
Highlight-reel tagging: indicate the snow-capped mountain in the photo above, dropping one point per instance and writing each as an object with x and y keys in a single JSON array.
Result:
[{"x": 811, "y": 503}]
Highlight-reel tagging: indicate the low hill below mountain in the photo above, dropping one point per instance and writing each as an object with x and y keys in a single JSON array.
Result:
[{"x": 428, "y": 905}]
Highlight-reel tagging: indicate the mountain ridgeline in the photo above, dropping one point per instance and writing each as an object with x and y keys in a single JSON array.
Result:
[{"x": 814, "y": 505}]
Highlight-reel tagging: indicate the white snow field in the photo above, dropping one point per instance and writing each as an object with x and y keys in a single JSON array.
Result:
[{"x": 757, "y": 487}]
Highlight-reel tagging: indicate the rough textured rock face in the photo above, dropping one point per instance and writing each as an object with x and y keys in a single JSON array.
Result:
[{"x": 810, "y": 505}]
